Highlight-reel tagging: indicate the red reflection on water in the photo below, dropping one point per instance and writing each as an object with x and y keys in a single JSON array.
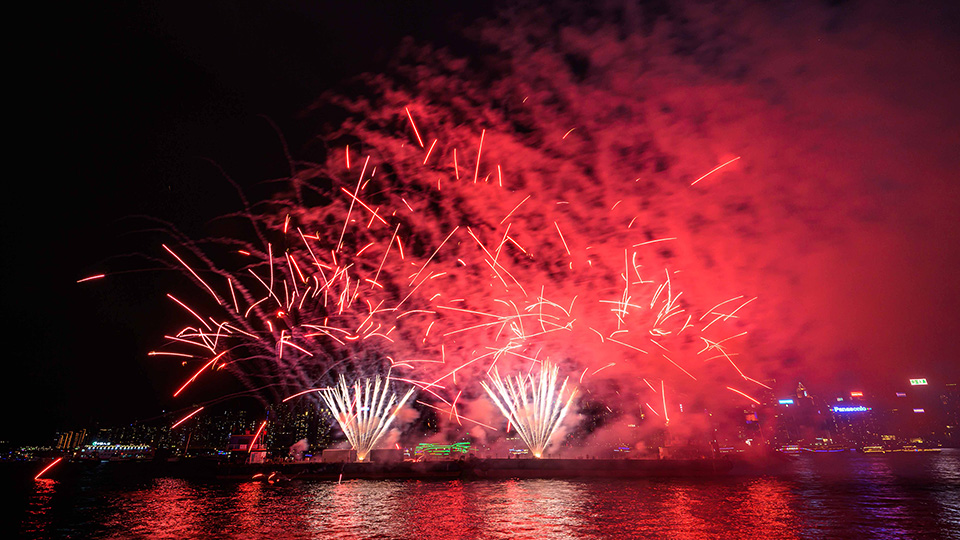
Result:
[
  {"x": 838, "y": 497},
  {"x": 440, "y": 510},
  {"x": 748, "y": 509},
  {"x": 39, "y": 506},
  {"x": 775, "y": 514},
  {"x": 345, "y": 498},
  {"x": 557, "y": 509},
  {"x": 167, "y": 507},
  {"x": 248, "y": 499},
  {"x": 681, "y": 509}
]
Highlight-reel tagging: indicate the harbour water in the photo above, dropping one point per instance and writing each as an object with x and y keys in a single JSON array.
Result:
[{"x": 843, "y": 496}]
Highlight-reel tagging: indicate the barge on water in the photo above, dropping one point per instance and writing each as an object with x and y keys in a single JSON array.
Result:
[{"x": 477, "y": 468}]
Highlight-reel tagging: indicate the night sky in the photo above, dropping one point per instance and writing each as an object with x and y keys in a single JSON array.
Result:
[{"x": 841, "y": 217}]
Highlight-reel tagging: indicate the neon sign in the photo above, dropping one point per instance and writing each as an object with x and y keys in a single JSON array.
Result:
[
  {"x": 858, "y": 408},
  {"x": 442, "y": 449}
]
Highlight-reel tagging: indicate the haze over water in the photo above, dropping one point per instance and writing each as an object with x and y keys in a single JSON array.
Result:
[{"x": 823, "y": 496}]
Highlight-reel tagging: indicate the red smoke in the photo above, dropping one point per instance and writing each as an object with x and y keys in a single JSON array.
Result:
[{"x": 590, "y": 182}]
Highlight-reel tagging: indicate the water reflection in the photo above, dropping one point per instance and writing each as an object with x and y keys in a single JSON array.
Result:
[
  {"x": 355, "y": 509},
  {"x": 769, "y": 507},
  {"x": 882, "y": 497},
  {"x": 169, "y": 507},
  {"x": 439, "y": 510},
  {"x": 38, "y": 507},
  {"x": 851, "y": 496},
  {"x": 947, "y": 473}
]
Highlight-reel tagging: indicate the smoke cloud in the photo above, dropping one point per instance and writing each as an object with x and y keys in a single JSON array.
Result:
[{"x": 687, "y": 205}]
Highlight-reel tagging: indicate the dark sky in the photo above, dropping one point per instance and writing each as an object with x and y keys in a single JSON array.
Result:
[{"x": 128, "y": 104}]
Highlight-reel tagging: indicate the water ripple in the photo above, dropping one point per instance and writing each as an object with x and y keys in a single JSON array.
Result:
[{"x": 855, "y": 496}]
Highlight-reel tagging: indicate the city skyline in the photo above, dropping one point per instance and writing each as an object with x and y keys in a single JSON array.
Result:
[{"x": 919, "y": 412}]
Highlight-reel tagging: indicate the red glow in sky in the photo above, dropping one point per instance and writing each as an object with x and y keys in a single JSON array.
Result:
[{"x": 804, "y": 156}]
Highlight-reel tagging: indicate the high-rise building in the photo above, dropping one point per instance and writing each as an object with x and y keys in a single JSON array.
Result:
[
  {"x": 71, "y": 440},
  {"x": 302, "y": 420}
]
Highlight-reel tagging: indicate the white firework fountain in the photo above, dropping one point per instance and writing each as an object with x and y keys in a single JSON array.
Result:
[
  {"x": 532, "y": 404},
  {"x": 366, "y": 414}
]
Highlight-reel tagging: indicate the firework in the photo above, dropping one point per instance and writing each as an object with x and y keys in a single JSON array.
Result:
[
  {"x": 366, "y": 414},
  {"x": 440, "y": 278},
  {"x": 532, "y": 404},
  {"x": 393, "y": 275},
  {"x": 382, "y": 279}
]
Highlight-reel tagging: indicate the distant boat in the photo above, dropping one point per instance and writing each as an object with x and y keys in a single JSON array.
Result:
[{"x": 477, "y": 468}]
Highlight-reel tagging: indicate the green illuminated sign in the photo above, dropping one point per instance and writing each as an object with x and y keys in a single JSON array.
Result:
[
  {"x": 918, "y": 382},
  {"x": 442, "y": 449}
]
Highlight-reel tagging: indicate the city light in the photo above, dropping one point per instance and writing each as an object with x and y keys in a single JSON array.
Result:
[
  {"x": 856, "y": 394},
  {"x": 918, "y": 410},
  {"x": 918, "y": 382},
  {"x": 786, "y": 402}
]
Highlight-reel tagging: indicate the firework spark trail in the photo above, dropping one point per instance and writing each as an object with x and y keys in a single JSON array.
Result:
[
  {"x": 347, "y": 295},
  {"x": 342, "y": 274},
  {"x": 185, "y": 418},
  {"x": 715, "y": 169},
  {"x": 256, "y": 436},
  {"x": 47, "y": 468},
  {"x": 378, "y": 271},
  {"x": 536, "y": 414},
  {"x": 365, "y": 416},
  {"x": 743, "y": 394}
]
